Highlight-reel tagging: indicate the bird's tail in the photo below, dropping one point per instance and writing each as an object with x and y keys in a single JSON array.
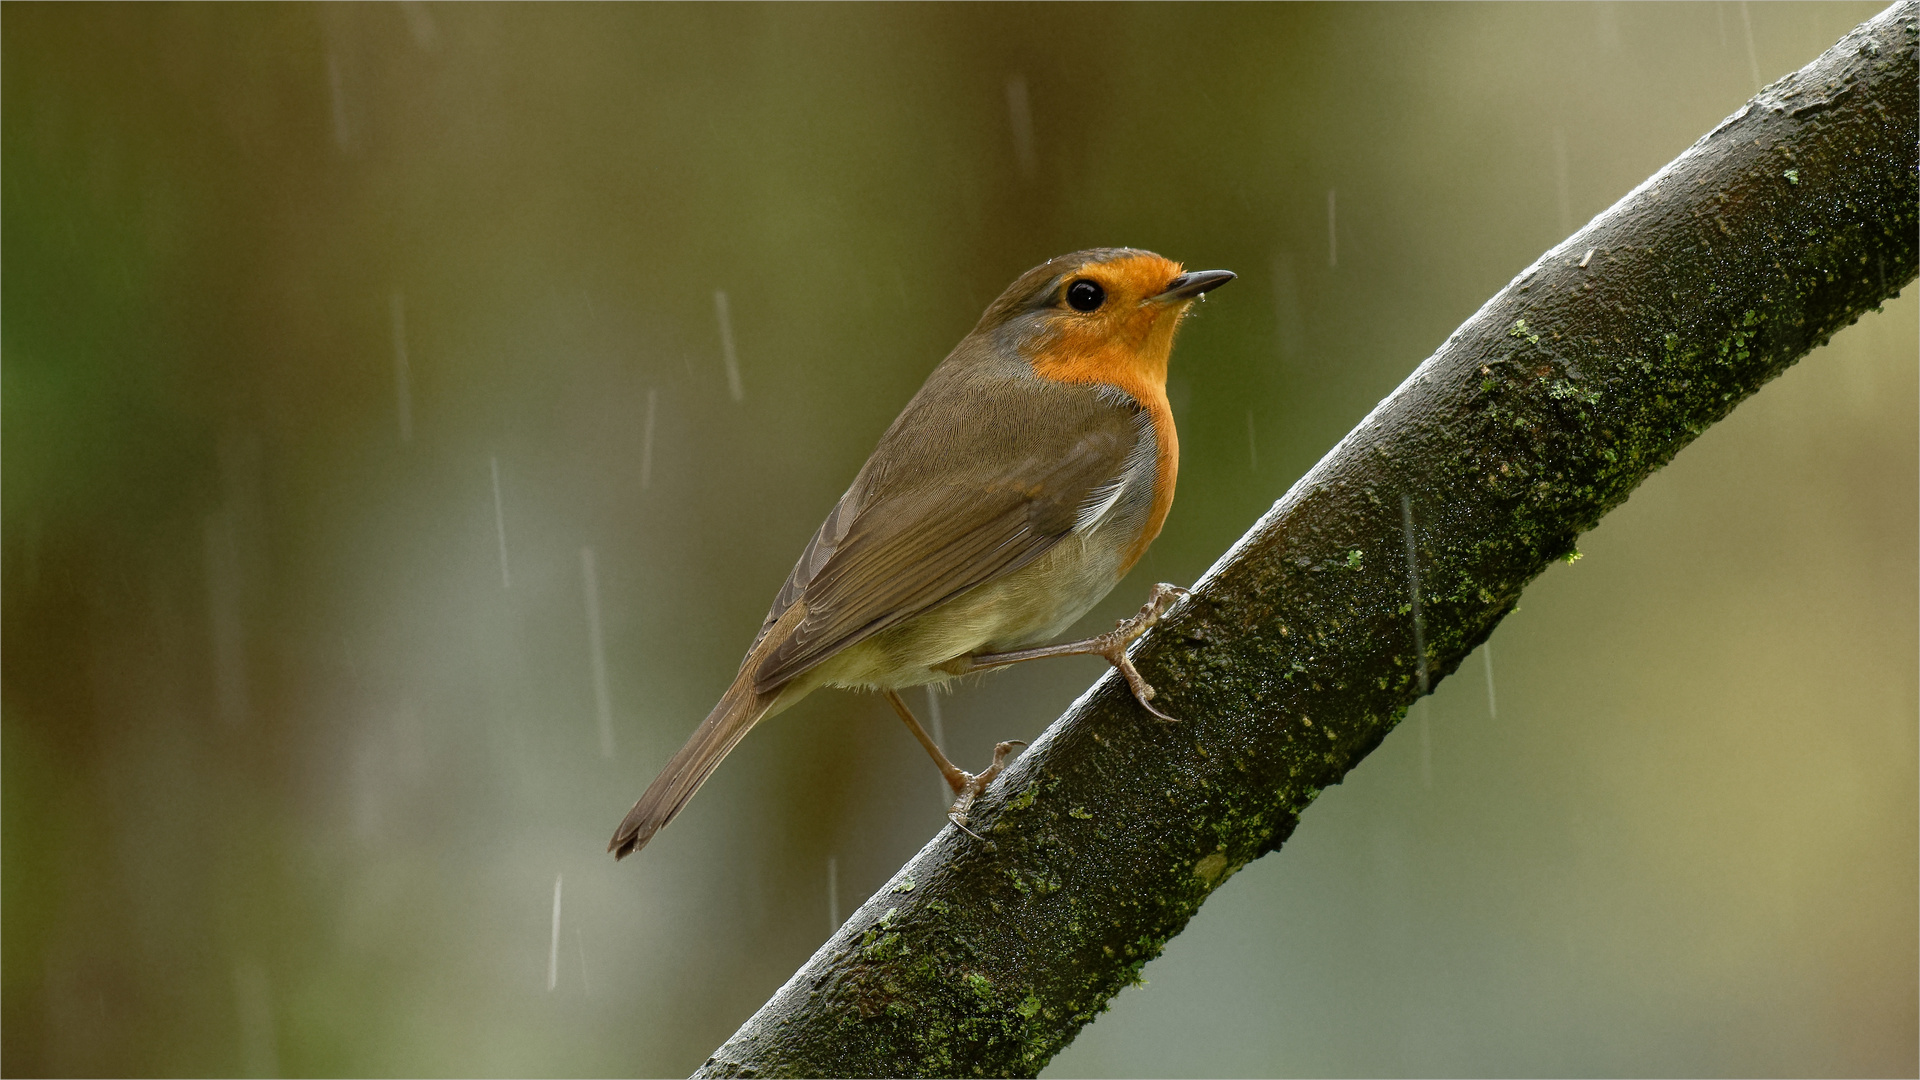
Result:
[{"x": 739, "y": 709}]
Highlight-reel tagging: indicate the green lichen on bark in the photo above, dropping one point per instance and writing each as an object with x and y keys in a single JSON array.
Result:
[{"x": 1297, "y": 654}]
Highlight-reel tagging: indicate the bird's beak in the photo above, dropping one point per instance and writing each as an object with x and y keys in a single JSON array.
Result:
[{"x": 1191, "y": 284}]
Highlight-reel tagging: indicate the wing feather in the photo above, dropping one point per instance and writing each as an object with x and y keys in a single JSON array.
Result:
[{"x": 935, "y": 524}]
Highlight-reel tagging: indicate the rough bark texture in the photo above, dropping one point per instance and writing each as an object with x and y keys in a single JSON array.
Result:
[{"x": 1297, "y": 654}]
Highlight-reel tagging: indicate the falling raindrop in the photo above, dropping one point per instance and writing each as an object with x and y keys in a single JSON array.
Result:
[
  {"x": 1486, "y": 658},
  {"x": 420, "y": 24},
  {"x": 1413, "y": 585},
  {"x": 933, "y": 712},
  {"x": 1560, "y": 181},
  {"x": 833, "y": 894},
  {"x": 1333, "y": 239},
  {"x": 1607, "y": 25},
  {"x": 1419, "y": 642},
  {"x": 939, "y": 740},
  {"x": 602, "y": 701},
  {"x": 725, "y": 315},
  {"x": 1426, "y": 744},
  {"x": 336, "y": 87},
  {"x": 553, "y": 949},
  {"x": 646, "y": 442},
  {"x": 1753, "y": 60},
  {"x": 402, "y": 371},
  {"x": 1020, "y": 116},
  {"x": 500, "y": 525}
]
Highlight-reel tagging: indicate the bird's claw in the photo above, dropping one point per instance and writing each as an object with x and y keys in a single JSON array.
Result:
[
  {"x": 1142, "y": 691},
  {"x": 1127, "y": 631},
  {"x": 974, "y": 784}
]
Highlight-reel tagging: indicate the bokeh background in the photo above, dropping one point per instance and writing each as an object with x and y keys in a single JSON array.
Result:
[{"x": 388, "y": 490}]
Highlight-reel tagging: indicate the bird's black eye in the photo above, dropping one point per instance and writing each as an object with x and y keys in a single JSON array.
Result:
[{"x": 1085, "y": 295}]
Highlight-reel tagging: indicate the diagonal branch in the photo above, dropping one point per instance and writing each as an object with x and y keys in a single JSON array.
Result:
[{"x": 1374, "y": 578}]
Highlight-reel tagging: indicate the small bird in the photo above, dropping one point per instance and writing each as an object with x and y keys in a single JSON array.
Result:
[{"x": 1015, "y": 490}]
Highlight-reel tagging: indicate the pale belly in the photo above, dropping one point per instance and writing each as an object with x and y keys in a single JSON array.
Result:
[{"x": 1028, "y": 607}]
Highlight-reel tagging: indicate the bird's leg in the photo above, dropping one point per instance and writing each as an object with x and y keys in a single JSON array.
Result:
[
  {"x": 957, "y": 778},
  {"x": 966, "y": 786},
  {"x": 1111, "y": 645}
]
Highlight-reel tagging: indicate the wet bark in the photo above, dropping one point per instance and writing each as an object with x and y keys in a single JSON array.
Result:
[{"x": 1375, "y": 576}]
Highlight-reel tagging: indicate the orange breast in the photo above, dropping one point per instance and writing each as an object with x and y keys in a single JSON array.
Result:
[
  {"x": 1140, "y": 369},
  {"x": 1167, "y": 470}
]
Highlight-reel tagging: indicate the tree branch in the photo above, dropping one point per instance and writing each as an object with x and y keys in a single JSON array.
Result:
[{"x": 1373, "y": 578}]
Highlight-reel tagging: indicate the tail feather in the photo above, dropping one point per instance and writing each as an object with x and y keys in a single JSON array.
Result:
[
  {"x": 716, "y": 737},
  {"x": 739, "y": 709}
]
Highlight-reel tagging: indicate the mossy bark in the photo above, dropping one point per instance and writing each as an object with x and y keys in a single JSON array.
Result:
[{"x": 1306, "y": 644}]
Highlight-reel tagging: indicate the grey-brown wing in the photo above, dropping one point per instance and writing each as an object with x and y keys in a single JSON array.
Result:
[{"x": 900, "y": 543}]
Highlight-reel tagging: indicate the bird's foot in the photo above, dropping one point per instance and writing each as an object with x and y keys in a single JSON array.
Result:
[
  {"x": 969, "y": 788},
  {"x": 1112, "y": 645}
]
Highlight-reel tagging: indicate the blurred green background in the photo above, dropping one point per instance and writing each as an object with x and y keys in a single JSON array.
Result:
[{"x": 379, "y": 515}]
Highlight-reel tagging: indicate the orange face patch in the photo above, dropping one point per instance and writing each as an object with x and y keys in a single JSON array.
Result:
[{"x": 1126, "y": 341}]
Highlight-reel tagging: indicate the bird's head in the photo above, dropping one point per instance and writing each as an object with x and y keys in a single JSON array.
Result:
[{"x": 1105, "y": 315}]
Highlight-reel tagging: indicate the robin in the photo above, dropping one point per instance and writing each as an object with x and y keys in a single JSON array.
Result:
[{"x": 1015, "y": 490}]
